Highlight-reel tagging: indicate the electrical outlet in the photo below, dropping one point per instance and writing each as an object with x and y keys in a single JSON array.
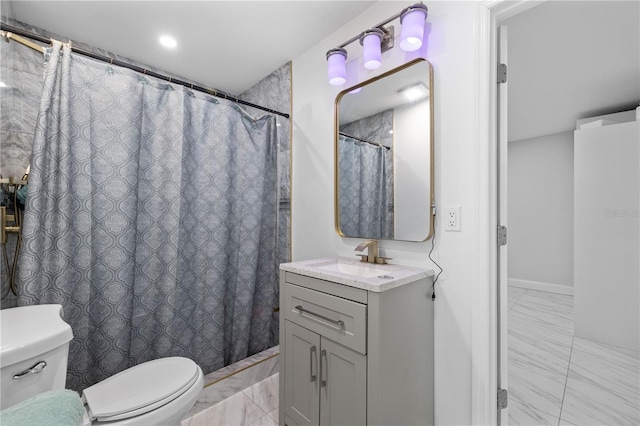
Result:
[{"x": 452, "y": 219}]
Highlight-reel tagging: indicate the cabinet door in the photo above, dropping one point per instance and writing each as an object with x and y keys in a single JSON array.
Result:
[
  {"x": 302, "y": 358},
  {"x": 343, "y": 391}
]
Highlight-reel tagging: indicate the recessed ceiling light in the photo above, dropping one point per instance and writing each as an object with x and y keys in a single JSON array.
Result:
[
  {"x": 2, "y": 84},
  {"x": 415, "y": 92},
  {"x": 168, "y": 41}
]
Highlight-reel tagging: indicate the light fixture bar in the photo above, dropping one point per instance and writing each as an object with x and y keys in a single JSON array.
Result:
[
  {"x": 379, "y": 25},
  {"x": 411, "y": 39}
]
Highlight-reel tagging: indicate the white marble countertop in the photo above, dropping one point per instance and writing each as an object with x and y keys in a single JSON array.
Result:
[{"x": 353, "y": 273}]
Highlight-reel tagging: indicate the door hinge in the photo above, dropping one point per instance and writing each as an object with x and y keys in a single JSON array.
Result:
[
  {"x": 502, "y": 235},
  {"x": 503, "y": 399},
  {"x": 502, "y": 73}
]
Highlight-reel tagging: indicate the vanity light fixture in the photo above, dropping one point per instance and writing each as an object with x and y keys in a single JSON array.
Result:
[
  {"x": 379, "y": 39},
  {"x": 370, "y": 41},
  {"x": 412, "y": 20},
  {"x": 337, "y": 59}
]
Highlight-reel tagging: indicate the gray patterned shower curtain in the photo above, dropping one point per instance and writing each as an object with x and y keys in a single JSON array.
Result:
[
  {"x": 151, "y": 217},
  {"x": 366, "y": 189}
]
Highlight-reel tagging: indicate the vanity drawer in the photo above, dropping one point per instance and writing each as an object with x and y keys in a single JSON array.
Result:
[{"x": 335, "y": 318}]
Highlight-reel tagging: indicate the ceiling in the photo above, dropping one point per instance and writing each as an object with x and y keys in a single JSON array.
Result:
[
  {"x": 569, "y": 60},
  {"x": 227, "y": 45}
]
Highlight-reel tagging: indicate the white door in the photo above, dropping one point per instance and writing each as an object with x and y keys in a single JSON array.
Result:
[{"x": 503, "y": 414}]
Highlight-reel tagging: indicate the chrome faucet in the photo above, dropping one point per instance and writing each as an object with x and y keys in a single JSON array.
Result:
[{"x": 372, "y": 255}]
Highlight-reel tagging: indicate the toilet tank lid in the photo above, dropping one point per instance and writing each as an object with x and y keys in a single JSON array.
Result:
[{"x": 29, "y": 331}]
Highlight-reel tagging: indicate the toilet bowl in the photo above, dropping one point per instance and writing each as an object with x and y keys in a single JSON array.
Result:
[{"x": 33, "y": 359}]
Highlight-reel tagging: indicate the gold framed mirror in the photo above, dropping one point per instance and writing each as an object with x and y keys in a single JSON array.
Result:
[{"x": 383, "y": 148}]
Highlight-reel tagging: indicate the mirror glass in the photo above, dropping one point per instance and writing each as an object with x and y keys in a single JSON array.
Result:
[{"x": 384, "y": 156}]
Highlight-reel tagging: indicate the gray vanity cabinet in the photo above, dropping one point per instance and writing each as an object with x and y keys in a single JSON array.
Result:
[
  {"x": 350, "y": 356},
  {"x": 324, "y": 380}
]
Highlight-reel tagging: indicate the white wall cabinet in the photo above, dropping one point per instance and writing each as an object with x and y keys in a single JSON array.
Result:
[{"x": 350, "y": 356}]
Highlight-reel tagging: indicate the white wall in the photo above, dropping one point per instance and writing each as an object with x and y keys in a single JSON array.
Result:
[
  {"x": 540, "y": 211},
  {"x": 452, "y": 49},
  {"x": 607, "y": 234},
  {"x": 411, "y": 181}
]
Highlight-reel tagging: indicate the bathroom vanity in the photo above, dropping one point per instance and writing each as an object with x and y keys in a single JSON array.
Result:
[{"x": 356, "y": 343}]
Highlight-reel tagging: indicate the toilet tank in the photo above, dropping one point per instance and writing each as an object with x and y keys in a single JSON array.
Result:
[{"x": 35, "y": 349}]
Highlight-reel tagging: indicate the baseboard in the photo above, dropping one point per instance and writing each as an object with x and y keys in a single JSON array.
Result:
[{"x": 540, "y": 286}]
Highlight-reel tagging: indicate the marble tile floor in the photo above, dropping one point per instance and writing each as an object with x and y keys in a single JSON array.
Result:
[
  {"x": 558, "y": 379},
  {"x": 254, "y": 406}
]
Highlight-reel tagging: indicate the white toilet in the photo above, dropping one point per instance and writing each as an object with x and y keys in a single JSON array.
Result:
[{"x": 33, "y": 359}]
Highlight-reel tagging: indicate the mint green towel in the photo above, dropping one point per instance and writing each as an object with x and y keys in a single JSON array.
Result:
[{"x": 53, "y": 408}]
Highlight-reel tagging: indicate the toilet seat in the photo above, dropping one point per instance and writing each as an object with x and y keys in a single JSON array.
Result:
[{"x": 140, "y": 389}]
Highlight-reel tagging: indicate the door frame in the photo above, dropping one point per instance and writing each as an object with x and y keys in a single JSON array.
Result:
[{"x": 485, "y": 333}]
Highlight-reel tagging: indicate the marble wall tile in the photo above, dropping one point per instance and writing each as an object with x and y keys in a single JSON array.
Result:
[
  {"x": 26, "y": 90},
  {"x": 265, "y": 421},
  {"x": 237, "y": 410},
  {"x": 26, "y": 59},
  {"x": 273, "y": 91},
  {"x": 275, "y": 414},
  {"x": 7, "y": 95},
  {"x": 15, "y": 153},
  {"x": 284, "y": 131},
  {"x": 21, "y": 71},
  {"x": 251, "y": 361},
  {"x": 6, "y": 53},
  {"x": 20, "y": 57},
  {"x": 265, "y": 393},
  {"x": 9, "y": 299},
  {"x": 216, "y": 391}
]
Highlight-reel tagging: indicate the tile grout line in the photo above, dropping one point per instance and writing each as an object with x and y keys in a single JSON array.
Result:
[
  {"x": 566, "y": 379},
  {"x": 517, "y": 300},
  {"x": 253, "y": 400}
]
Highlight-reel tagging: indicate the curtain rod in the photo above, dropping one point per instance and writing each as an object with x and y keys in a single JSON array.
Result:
[
  {"x": 365, "y": 141},
  {"x": 14, "y": 33}
]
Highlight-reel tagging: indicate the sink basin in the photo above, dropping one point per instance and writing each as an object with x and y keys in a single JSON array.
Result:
[
  {"x": 353, "y": 273},
  {"x": 355, "y": 268}
]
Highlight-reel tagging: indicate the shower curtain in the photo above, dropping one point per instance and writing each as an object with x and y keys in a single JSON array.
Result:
[
  {"x": 151, "y": 217},
  {"x": 366, "y": 189}
]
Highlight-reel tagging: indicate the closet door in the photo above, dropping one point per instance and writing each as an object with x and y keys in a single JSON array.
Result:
[
  {"x": 302, "y": 353},
  {"x": 343, "y": 386}
]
